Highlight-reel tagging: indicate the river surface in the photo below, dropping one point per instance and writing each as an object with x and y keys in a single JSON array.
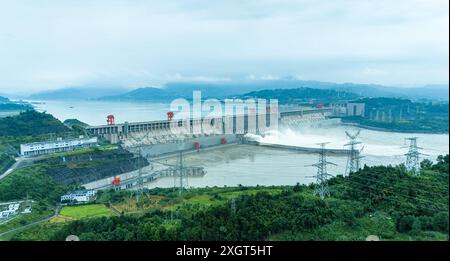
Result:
[
  {"x": 252, "y": 165},
  {"x": 95, "y": 112}
]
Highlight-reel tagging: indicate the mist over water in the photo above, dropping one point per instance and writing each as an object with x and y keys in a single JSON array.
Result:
[
  {"x": 253, "y": 165},
  {"x": 374, "y": 143}
]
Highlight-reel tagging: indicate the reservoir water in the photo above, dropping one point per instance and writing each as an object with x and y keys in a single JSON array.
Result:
[{"x": 251, "y": 165}]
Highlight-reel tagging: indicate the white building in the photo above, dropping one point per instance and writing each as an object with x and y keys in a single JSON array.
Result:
[
  {"x": 7, "y": 213},
  {"x": 10, "y": 211},
  {"x": 40, "y": 148},
  {"x": 79, "y": 196},
  {"x": 27, "y": 210},
  {"x": 13, "y": 207}
]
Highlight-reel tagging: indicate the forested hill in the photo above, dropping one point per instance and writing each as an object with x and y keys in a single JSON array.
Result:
[
  {"x": 385, "y": 201},
  {"x": 7, "y": 105},
  {"x": 30, "y": 123},
  {"x": 301, "y": 95}
]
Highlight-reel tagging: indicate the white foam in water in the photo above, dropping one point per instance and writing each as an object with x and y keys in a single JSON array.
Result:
[{"x": 376, "y": 143}]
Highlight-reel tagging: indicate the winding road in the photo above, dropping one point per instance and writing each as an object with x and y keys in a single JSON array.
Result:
[{"x": 55, "y": 213}]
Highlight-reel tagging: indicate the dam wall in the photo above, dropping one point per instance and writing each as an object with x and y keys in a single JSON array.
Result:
[
  {"x": 337, "y": 152},
  {"x": 189, "y": 144}
]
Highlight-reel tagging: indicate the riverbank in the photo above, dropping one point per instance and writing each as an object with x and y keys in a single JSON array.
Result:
[
  {"x": 367, "y": 127},
  {"x": 352, "y": 211}
]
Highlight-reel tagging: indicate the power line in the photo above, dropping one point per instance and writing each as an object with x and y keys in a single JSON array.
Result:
[
  {"x": 182, "y": 175},
  {"x": 412, "y": 156},
  {"x": 354, "y": 155},
  {"x": 322, "y": 174},
  {"x": 395, "y": 200},
  {"x": 425, "y": 201},
  {"x": 430, "y": 184},
  {"x": 139, "y": 191},
  {"x": 397, "y": 185}
]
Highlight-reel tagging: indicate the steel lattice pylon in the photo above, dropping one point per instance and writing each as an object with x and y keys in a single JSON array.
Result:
[
  {"x": 139, "y": 191},
  {"x": 322, "y": 173},
  {"x": 354, "y": 156},
  {"x": 183, "y": 178},
  {"x": 412, "y": 156}
]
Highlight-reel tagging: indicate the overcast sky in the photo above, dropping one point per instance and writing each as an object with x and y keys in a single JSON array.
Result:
[{"x": 55, "y": 44}]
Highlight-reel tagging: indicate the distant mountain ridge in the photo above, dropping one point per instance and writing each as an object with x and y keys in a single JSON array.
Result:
[
  {"x": 222, "y": 90},
  {"x": 8, "y": 105},
  {"x": 230, "y": 89},
  {"x": 76, "y": 93},
  {"x": 303, "y": 95},
  {"x": 140, "y": 94},
  {"x": 3, "y": 99}
]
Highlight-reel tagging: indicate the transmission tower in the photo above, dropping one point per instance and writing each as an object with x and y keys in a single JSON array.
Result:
[
  {"x": 182, "y": 176},
  {"x": 139, "y": 180},
  {"x": 412, "y": 156},
  {"x": 139, "y": 141},
  {"x": 354, "y": 154},
  {"x": 322, "y": 173}
]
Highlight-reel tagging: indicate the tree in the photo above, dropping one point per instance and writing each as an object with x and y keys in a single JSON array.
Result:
[
  {"x": 426, "y": 164},
  {"x": 297, "y": 187},
  {"x": 440, "y": 221},
  {"x": 405, "y": 224}
]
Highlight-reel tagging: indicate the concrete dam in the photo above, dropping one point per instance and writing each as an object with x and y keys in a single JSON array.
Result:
[{"x": 156, "y": 138}]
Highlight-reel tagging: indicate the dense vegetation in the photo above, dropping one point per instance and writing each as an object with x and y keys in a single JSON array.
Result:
[
  {"x": 74, "y": 122},
  {"x": 32, "y": 181},
  {"x": 403, "y": 115},
  {"x": 90, "y": 165},
  {"x": 14, "y": 107},
  {"x": 5, "y": 162},
  {"x": 384, "y": 201},
  {"x": 30, "y": 123},
  {"x": 302, "y": 95}
]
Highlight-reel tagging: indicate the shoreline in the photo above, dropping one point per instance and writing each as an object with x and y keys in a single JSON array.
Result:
[{"x": 389, "y": 130}]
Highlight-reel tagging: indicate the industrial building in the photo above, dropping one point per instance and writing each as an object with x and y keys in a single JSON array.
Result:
[
  {"x": 46, "y": 147},
  {"x": 79, "y": 196},
  {"x": 11, "y": 210},
  {"x": 355, "y": 109}
]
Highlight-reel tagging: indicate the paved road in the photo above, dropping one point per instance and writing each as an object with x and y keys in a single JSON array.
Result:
[
  {"x": 55, "y": 213},
  {"x": 20, "y": 162},
  {"x": 13, "y": 167}
]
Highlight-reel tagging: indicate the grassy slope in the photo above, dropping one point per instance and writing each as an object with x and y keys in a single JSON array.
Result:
[{"x": 85, "y": 211}]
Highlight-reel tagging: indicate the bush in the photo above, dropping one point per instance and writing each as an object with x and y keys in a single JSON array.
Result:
[
  {"x": 440, "y": 222},
  {"x": 405, "y": 224}
]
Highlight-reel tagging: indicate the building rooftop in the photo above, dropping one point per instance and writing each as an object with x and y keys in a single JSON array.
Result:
[
  {"x": 56, "y": 141},
  {"x": 78, "y": 192}
]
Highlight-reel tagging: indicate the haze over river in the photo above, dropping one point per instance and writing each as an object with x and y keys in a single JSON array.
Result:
[{"x": 251, "y": 165}]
